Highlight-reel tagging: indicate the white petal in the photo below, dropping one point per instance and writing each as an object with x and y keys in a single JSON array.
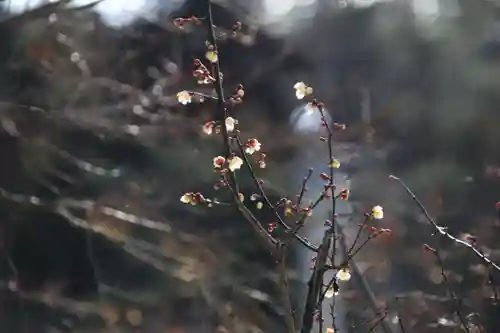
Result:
[{"x": 299, "y": 94}]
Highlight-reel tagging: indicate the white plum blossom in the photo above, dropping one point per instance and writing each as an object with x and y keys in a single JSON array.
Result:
[
  {"x": 252, "y": 146},
  {"x": 334, "y": 164},
  {"x": 378, "y": 212},
  {"x": 343, "y": 275},
  {"x": 330, "y": 292},
  {"x": 230, "y": 123},
  {"x": 219, "y": 162},
  {"x": 302, "y": 90},
  {"x": 235, "y": 163},
  {"x": 211, "y": 55},
  {"x": 187, "y": 198},
  {"x": 184, "y": 97}
]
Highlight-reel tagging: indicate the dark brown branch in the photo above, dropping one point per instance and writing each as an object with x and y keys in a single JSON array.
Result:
[
  {"x": 364, "y": 283},
  {"x": 222, "y": 114},
  {"x": 441, "y": 230},
  {"x": 268, "y": 202},
  {"x": 452, "y": 293},
  {"x": 315, "y": 283},
  {"x": 303, "y": 189}
]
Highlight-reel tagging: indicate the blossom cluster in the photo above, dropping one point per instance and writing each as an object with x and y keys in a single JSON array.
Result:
[{"x": 244, "y": 153}]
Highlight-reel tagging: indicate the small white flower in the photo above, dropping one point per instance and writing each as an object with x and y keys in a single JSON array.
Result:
[
  {"x": 230, "y": 123},
  {"x": 334, "y": 164},
  {"x": 184, "y": 97},
  {"x": 187, "y": 198},
  {"x": 378, "y": 212},
  {"x": 235, "y": 163},
  {"x": 302, "y": 90},
  {"x": 212, "y": 56},
  {"x": 330, "y": 292},
  {"x": 343, "y": 275},
  {"x": 219, "y": 162},
  {"x": 252, "y": 146}
]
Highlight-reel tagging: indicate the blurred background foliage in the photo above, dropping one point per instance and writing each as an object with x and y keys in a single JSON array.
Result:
[{"x": 92, "y": 132}]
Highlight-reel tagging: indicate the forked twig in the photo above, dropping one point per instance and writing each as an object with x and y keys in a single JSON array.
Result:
[
  {"x": 316, "y": 282},
  {"x": 222, "y": 114},
  {"x": 442, "y": 230}
]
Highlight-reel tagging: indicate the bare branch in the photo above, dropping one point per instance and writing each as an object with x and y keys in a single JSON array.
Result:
[{"x": 442, "y": 230}]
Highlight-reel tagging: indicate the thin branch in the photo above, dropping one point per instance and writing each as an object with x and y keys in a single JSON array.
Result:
[
  {"x": 364, "y": 283},
  {"x": 266, "y": 237},
  {"x": 401, "y": 325},
  {"x": 22, "y": 305},
  {"x": 377, "y": 322},
  {"x": 358, "y": 235},
  {"x": 222, "y": 111},
  {"x": 449, "y": 287},
  {"x": 491, "y": 282},
  {"x": 332, "y": 315},
  {"x": 331, "y": 187},
  {"x": 34, "y": 14},
  {"x": 222, "y": 114},
  {"x": 400, "y": 321},
  {"x": 442, "y": 230},
  {"x": 303, "y": 189},
  {"x": 268, "y": 202}
]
